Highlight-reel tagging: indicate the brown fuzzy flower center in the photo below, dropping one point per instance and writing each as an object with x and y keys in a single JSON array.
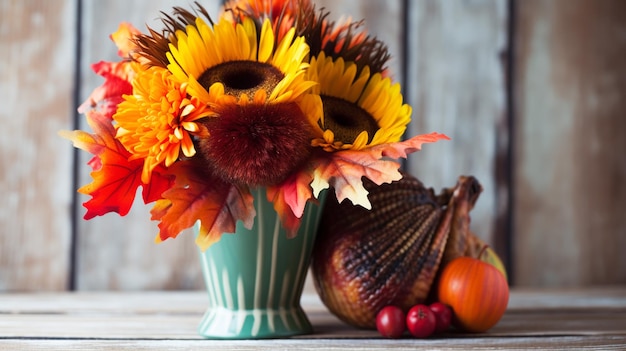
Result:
[
  {"x": 242, "y": 77},
  {"x": 347, "y": 120},
  {"x": 256, "y": 144}
]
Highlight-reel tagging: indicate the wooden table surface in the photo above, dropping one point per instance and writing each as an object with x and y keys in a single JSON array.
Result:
[{"x": 535, "y": 319}]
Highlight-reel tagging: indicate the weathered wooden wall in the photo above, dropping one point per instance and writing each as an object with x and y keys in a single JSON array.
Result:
[
  {"x": 37, "y": 70},
  {"x": 456, "y": 84},
  {"x": 570, "y": 142},
  {"x": 531, "y": 92}
]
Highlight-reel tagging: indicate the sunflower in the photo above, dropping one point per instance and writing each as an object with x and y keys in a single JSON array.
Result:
[
  {"x": 255, "y": 86},
  {"x": 360, "y": 109},
  {"x": 231, "y": 55},
  {"x": 157, "y": 121}
]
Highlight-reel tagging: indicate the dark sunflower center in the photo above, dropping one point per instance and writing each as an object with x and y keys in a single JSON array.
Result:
[
  {"x": 242, "y": 77},
  {"x": 347, "y": 120},
  {"x": 256, "y": 144}
]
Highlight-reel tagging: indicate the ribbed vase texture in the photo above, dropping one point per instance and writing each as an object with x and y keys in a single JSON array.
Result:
[{"x": 255, "y": 277}]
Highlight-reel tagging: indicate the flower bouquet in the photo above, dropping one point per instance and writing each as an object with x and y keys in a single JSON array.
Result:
[{"x": 269, "y": 103}]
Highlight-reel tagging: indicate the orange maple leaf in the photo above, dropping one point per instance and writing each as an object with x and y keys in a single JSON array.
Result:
[
  {"x": 115, "y": 178},
  {"x": 343, "y": 169},
  {"x": 196, "y": 196},
  {"x": 403, "y": 148},
  {"x": 290, "y": 198}
]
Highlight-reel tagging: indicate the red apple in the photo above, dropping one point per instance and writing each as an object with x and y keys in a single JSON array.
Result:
[
  {"x": 420, "y": 321},
  {"x": 391, "y": 322},
  {"x": 443, "y": 315}
]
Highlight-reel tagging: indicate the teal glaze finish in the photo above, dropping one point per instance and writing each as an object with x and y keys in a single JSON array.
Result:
[{"x": 255, "y": 277}]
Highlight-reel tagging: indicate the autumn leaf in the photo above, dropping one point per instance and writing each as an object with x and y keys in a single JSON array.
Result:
[
  {"x": 117, "y": 75},
  {"x": 403, "y": 148},
  {"x": 343, "y": 169},
  {"x": 290, "y": 199},
  {"x": 198, "y": 197},
  {"x": 160, "y": 181},
  {"x": 115, "y": 178},
  {"x": 105, "y": 98},
  {"x": 123, "y": 39}
]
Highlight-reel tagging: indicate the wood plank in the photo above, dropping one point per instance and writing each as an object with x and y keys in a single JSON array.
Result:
[
  {"x": 456, "y": 85},
  {"x": 183, "y": 326},
  {"x": 119, "y": 252},
  {"x": 518, "y": 343},
  {"x": 601, "y": 297},
  {"x": 195, "y": 302},
  {"x": 569, "y": 141},
  {"x": 111, "y": 302},
  {"x": 175, "y": 315},
  {"x": 37, "y": 53}
]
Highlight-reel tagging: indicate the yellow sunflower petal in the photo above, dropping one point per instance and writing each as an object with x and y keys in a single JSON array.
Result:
[
  {"x": 266, "y": 42},
  {"x": 360, "y": 141},
  {"x": 380, "y": 100}
]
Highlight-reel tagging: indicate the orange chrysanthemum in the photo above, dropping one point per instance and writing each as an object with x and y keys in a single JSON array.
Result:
[{"x": 156, "y": 122}]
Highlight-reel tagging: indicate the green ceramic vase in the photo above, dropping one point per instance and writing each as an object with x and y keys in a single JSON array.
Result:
[{"x": 255, "y": 277}]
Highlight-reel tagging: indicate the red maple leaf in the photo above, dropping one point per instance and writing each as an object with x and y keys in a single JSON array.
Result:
[
  {"x": 117, "y": 75},
  {"x": 196, "y": 196},
  {"x": 115, "y": 177},
  {"x": 105, "y": 98}
]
